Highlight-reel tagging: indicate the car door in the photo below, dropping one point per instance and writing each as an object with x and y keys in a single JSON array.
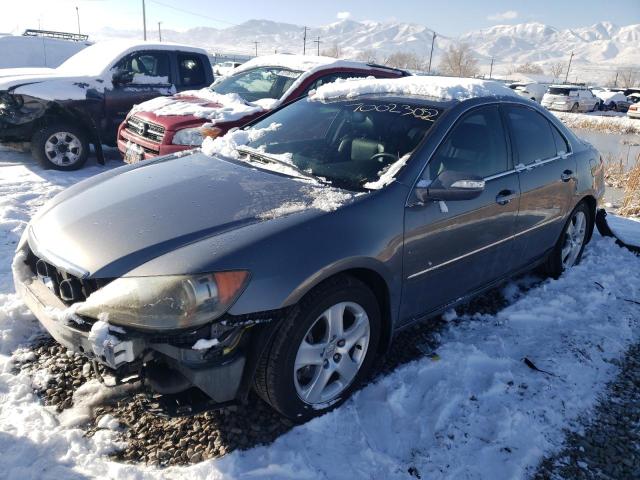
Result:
[
  {"x": 546, "y": 169},
  {"x": 454, "y": 248},
  {"x": 145, "y": 75}
]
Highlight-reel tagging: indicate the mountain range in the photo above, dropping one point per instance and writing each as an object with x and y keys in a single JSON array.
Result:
[{"x": 598, "y": 49}]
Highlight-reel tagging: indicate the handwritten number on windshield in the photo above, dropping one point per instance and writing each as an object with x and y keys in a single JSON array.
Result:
[{"x": 403, "y": 110}]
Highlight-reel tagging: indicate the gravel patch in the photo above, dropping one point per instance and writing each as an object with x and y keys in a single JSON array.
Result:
[
  {"x": 154, "y": 438},
  {"x": 609, "y": 446}
]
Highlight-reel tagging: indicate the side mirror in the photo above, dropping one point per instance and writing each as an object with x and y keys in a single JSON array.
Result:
[
  {"x": 121, "y": 77},
  {"x": 450, "y": 186}
]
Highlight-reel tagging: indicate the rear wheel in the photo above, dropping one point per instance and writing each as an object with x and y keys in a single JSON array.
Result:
[
  {"x": 60, "y": 146},
  {"x": 323, "y": 349},
  {"x": 570, "y": 246}
]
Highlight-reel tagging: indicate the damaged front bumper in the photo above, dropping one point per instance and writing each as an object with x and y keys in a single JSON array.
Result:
[{"x": 168, "y": 367}]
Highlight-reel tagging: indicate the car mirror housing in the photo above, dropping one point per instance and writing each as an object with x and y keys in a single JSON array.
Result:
[
  {"x": 121, "y": 77},
  {"x": 450, "y": 186}
]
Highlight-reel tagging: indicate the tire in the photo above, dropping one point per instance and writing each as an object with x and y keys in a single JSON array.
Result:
[
  {"x": 61, "y": 146},
  {"x": 561, "y": 259},
  {"x": 574, "y": 108},
  {"x": 283, "y": 385}
]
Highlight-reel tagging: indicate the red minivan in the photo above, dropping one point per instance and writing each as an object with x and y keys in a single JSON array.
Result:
[{"x": 168, "y": 125}]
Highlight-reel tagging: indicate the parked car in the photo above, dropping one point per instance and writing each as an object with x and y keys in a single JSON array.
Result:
[
  {"x": 570, "y": 98},
  {"x": 285, "y": 256},
  {"x": 85, "y": 99},
  {"x": 532, "y": 91},
  {"x": 613, "y": 100},
  {"x": 225, "y": 68},
  {"x": 162, "y": 126},
  {"x": 634, "y": 108}
]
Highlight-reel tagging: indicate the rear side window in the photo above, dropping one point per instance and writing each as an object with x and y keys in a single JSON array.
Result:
[
  {"x": 562, "y": 146},
  {"x": 191, "y": 70},
  {"x": 476, "y": 145},
  {"x": 332, "y": 77},
  {"x": 532, "y": 135}
]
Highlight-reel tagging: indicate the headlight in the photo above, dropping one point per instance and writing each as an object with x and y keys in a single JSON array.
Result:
[
  {"x": 10, "y": 102},
  {"x": 166, "y": 303},
  {"x": 188, "y": 136}
]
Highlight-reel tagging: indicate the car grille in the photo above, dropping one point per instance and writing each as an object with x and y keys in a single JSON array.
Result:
[
  {"x": 144, "y": 129},
  {"x": 68, "y": 288}
]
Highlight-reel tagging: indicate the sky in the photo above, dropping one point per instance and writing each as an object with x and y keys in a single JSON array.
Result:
[{"x": 450, "y": 18}]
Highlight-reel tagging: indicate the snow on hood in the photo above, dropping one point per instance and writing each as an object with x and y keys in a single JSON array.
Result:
[
  {"x": 606, "y": 96},
  {"x": 14, "y": 72},
  {"x": 446, "y": 88},
  {"x": 204, "y": 103}
]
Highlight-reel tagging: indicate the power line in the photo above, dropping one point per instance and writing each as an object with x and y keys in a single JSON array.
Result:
[{"x": 189, "y": 12}]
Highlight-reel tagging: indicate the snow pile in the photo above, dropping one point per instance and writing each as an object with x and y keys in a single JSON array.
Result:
[
  {"x": 204, "y": 103},
  {"x": 445, "y": 88},
  {"x": 388, "y": 175},
  {"x": 227, "y": 145},
  {"x": 101, "y": 336},
  {"x": 322, "y": 198},
  {"x": 608, "y": 122},
  {"x": 205, "y": 344}
]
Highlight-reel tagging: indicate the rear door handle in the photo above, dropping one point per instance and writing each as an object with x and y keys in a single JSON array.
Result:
[
  {"x": 505, "y": 196},
  {"x": 566, "y": 175}
]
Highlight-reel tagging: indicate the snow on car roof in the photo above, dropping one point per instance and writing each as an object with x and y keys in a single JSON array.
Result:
[
  {"x": 445, "y": 88},
  {"x": 100, "y": 57}
]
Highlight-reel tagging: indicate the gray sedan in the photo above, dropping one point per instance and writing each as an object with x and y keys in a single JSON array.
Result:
[{"x": 283, "y": 258}]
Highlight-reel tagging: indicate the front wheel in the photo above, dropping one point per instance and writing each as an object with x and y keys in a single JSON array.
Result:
[
  {"x": 574, "y": 109},
  {"x": 570, "y": 246},
  {"x": 322, "y": 350},
  {"x": 60, "y": 146}
]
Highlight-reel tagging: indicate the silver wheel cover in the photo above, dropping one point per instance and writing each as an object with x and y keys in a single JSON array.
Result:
[
  {"x": 574, "y": 238},
  {"x": 331, "y": 353},
  {"x": 63, "y": 149}
]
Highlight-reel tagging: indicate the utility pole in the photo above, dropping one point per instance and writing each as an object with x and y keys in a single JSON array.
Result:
[
  {"x": 433, "y": 41},
  {"x": 318, "y": 42},
  {"x": 144, "y": 20},
  {"x": 491, "y": 68},
  {"x": 256, "y": 44},
  {"x": 78, "y": 16},
  {"x": 304, "y": 46},
  {"x": 566, "y": 77},
  {"x": 159, "y": 32},
  {"x": 615, "y": 82}
]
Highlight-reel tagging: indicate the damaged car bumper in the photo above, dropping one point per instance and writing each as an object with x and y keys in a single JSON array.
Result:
[{"x": 167, "y": 362}]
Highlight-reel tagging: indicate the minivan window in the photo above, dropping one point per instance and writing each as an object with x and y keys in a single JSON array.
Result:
[
  {"x": 191, "y": 70},
  {"x": 531, "y": 134},
  {"x": 476, "y": 145}
]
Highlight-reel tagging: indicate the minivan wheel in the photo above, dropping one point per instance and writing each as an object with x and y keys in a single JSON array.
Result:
[
  {"x": 324, "y": 347},
  {"x": 574, "y": 108},
  {"x": 60, "y": 146},
  {"x": 570, "y": 246}
]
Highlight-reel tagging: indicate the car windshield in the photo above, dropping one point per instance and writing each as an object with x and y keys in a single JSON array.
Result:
[
  {"x": 349, "y": 143},
  {"x": 258, "y": 83},
  {"x": 559, "y": 91}
]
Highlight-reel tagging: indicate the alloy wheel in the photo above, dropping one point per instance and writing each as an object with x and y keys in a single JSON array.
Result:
[
  {"x": 574, "y": 238},
  {"x": 331, "y": 353},
  {"x": 63, "y": 149}
]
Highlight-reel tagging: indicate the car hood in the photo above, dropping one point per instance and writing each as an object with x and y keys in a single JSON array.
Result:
[
  {"x": 108, "y": 225},
  {"x": 193, "y": 108},
  {"x": 17, "y": 72}
]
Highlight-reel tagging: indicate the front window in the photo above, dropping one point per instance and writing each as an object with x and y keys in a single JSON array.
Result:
[
  {"x": 350, "y": 143},
  {"x": 258, "y": 83}
]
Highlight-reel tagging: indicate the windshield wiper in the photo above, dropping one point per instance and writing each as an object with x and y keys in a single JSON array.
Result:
[{"x": 265, "y": 157}]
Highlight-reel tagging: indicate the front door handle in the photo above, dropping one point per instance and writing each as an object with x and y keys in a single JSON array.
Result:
[
  {"x": 566, "y": 175},
  {"x": 505, "y": 196}
]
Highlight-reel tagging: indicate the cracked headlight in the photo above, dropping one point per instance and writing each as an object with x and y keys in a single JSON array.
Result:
[
  {"x": 10, "y": 102},
  {"x": 165, "y": 303},
  {"x": 188, "y": 136}
]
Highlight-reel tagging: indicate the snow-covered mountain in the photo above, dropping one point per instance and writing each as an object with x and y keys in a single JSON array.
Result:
[{"x": 601, "y": 46}]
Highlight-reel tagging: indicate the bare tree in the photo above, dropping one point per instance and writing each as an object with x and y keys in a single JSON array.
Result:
[
  {"x": 458, "y": 60},
  {"x": 333, "y": 51},
  {"x": 627, "y": 77},
  {"x": 529, "y": 68},
  {"x": 407, "y": 60},
  {"x": 368, "y": 56},
  {"x": 556, "y": 70}
]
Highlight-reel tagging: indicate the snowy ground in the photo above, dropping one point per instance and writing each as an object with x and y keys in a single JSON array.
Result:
[{"x": 473, "y": 411}]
